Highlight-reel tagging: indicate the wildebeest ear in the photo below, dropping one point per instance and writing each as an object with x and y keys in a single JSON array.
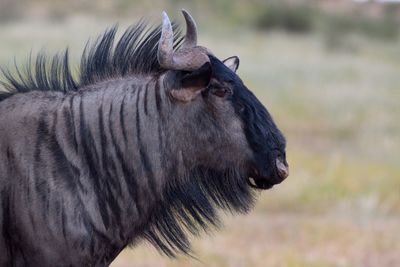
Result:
[
  {"x": 193, "y": 83},
  {"x": 232, "y": 63}
]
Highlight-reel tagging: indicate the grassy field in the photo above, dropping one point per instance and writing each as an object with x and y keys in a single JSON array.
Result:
[{"x": 340, "y": 112}]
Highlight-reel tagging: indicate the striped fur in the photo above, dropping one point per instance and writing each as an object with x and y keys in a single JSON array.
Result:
[{"x": 90, "y": 166}]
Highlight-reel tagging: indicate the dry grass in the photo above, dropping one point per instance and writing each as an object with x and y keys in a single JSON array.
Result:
[
  {"x": 340, "y": 113},
  {"x": 260, "y": 240}
]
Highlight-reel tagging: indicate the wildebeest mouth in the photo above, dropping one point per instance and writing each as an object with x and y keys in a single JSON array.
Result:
[{"x": 280, "y": 173}]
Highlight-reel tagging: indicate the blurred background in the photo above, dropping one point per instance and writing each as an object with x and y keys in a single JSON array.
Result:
[{"x": 328, "y": 71}]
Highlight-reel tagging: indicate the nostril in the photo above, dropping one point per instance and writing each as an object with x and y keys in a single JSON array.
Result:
[{"x": 283, "y": 168}]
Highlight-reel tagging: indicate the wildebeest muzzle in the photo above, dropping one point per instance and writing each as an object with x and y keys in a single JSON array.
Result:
[{"x": 268, "y": 176}]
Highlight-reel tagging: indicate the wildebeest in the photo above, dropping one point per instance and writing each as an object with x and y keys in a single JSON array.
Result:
[{"x": 153, "y": 136}]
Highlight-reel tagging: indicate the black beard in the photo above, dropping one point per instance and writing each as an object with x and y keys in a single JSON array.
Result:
[{"x": 192, "y": 207}]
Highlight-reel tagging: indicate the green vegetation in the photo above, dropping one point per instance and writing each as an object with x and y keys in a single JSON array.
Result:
[
  {"x": 297, "y": 18},
  {"x": 337, "y": 27}
]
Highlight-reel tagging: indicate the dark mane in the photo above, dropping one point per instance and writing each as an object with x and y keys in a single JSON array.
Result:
[{"x": 134, "y": 53}]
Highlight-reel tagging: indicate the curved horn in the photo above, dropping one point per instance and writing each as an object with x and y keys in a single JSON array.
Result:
[
  {"x": 191, "y": 31},
  {"x": 166, "y": 44},
  {"x": 189, "y": 57}
]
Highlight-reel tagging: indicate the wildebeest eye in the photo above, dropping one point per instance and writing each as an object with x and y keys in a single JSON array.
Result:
[{"x": 221, "y": 91}]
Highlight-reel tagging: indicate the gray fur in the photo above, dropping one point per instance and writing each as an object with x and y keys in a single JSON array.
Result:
[
  {"x": 43, "y": 187},
  {"x": 116, "y": 159}
]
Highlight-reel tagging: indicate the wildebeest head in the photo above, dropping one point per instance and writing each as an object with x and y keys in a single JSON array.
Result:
[{"x": 223, "y": 124}]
